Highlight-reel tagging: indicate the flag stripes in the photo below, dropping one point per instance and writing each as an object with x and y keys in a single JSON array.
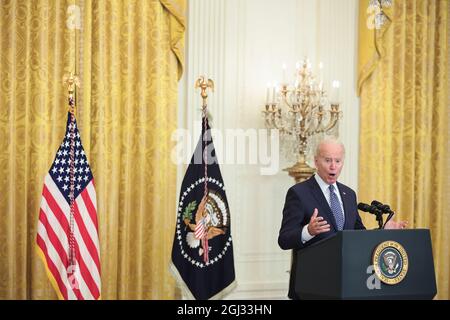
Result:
[
  {"x": 77, "y": 277},
  {"x": 58, "y": 225}
]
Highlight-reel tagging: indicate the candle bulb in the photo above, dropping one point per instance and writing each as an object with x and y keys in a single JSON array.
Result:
[
  {"x": 284, "y": 73},
  {"x": 321, "y": 73},
  {"x": 268, "y": 94},
  {"x": 274, "y": 94},
  {"x": 334, "y": 96}
]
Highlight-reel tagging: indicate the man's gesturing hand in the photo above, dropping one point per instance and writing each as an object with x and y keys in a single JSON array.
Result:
[{"x": 317, "y": 224}]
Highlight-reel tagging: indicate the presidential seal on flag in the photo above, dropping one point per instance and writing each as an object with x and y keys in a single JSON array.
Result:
[{"x": 209, "y": 219}]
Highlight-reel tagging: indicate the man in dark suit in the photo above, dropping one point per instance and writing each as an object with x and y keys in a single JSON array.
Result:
[{"x": 320, "y": 206}]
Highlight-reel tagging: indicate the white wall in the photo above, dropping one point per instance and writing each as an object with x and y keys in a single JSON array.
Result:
[{"x": 241, "y": 45}]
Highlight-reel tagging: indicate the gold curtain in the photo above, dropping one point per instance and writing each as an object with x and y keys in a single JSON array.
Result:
[
  {"x": 129, "y": 55},
  {"x": 404, "y": 119}
]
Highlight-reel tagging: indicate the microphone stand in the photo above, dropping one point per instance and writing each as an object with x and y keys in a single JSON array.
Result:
[
  {"x": 379, "y": 215},
  {"x": 391, "y": 214}
]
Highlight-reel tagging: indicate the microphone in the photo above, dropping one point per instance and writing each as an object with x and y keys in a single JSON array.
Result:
[
  {"x": 373, "y": 210},
  {"x": 385, "y": 209},
  {"x": 382, "y": 207},
  {"x": 368, "y": 208}
]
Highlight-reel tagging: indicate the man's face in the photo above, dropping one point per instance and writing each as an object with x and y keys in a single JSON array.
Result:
[{"x": 329, "y": 162}]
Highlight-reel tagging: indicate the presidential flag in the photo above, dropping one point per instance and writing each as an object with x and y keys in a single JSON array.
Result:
[
  {"x": 202, "y": 252},
  {"x": 67, "y": 232}
]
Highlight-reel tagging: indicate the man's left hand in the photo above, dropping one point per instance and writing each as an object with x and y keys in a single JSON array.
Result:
[{"x": 391, "y": 224}]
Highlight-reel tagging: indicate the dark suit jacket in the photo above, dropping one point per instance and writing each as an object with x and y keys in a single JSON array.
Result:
[{"x": 301, "y": 199}]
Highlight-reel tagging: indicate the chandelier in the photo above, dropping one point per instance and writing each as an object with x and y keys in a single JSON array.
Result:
[{"x": 302, "y": 111}]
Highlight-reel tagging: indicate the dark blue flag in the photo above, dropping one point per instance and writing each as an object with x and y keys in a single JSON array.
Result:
[{"x": 202, "y": 252}]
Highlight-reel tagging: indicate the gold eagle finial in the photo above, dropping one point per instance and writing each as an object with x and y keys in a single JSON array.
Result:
[
  {"x": 204, "y": 84},
  {"x": 71, "y": 81}
]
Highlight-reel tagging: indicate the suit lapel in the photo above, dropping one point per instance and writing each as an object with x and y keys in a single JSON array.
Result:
[{"x": 324, "y": 209}]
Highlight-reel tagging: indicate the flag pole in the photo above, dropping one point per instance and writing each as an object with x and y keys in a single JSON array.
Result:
[
  {"x": 203, "y": 271},
  {"x": 71, "y": 81},
  {"x": 204, "y": 84}
]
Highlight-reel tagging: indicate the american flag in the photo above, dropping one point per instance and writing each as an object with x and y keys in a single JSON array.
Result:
[{"x": 67, "y": 236}]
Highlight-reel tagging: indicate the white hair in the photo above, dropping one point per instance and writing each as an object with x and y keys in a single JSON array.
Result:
[{"x": 329, "y": 140}]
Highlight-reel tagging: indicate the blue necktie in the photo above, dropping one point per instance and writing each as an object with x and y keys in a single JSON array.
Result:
[{"x": 336, "y": 208}]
